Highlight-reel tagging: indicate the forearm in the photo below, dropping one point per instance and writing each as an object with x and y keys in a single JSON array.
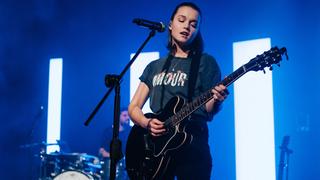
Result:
[
  {"x": 137, "y": 102},
  {"x": 137, "y": 116},
  {"x": 212, "y": 106},
  {"x": 219, "y": 94}
]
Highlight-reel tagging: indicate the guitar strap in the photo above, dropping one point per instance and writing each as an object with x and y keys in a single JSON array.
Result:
[
  {"x": 165, "y": 68},
  {"x": 193, "y": 74}
]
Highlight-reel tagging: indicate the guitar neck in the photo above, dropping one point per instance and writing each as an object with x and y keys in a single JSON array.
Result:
[
  {"x": 268, "y": 58},
  {"x": 192, "y": 106}
]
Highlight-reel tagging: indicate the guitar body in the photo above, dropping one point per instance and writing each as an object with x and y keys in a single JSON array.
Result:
[{"x": 147, "y": 156}]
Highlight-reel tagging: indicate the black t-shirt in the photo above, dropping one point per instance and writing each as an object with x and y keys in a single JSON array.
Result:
[{"x": 164, "y": 84}]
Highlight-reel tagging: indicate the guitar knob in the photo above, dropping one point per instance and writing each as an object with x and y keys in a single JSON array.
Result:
[{"x": 264, "y": 71}]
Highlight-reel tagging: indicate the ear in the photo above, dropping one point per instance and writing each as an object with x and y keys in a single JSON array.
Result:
[{"x": 170, "y": 28}]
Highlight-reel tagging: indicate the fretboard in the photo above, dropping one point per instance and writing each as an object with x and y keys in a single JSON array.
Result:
[{"x": 192, "y": 106}]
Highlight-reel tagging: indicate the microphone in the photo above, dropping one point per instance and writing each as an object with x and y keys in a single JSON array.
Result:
[{"x": 159, "y": 26}]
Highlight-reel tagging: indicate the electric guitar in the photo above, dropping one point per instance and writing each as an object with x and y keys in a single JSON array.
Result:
[{"x": 147, "y": 156}]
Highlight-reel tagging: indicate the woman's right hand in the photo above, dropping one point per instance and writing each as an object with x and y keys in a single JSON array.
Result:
[{"x": 156, "y": 127}]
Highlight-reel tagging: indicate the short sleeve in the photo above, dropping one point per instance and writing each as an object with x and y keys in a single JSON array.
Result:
[
  {"x": 146, "y": 76},
  {"x": 210, "y": 72}
]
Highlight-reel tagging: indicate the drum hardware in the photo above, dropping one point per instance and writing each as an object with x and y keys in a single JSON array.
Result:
[
  {"x": 42, "y": 156},
  {"x": 70, "y": 165},
  {"x": 120, "y": 174},
  {"x": 74, "y": 166}
]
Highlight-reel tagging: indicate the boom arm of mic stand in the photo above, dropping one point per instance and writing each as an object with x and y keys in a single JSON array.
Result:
[{"x": 96, "y": 109}]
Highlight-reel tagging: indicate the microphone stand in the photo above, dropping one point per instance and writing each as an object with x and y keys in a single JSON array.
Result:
[
  {"x": 284, "y": 158},
  {"x": 113, "y": 82}
]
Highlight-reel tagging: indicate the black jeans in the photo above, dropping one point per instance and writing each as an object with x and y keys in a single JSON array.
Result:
[{"x": 193, "y": 161}]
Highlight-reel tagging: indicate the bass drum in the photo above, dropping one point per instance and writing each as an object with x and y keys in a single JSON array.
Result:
[{"x": 74, "y": 175}]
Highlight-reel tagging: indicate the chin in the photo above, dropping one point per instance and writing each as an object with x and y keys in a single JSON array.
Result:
[{"x": 183, "y": 42}]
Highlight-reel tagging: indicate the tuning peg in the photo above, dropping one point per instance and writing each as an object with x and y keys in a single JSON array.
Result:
[
  {"x": 270, "y": 68},
  {"x": 284, "y": 50}
]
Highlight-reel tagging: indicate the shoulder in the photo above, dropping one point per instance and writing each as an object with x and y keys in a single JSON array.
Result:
[
  {"x": 207, "y": 59},
  {"x": 152, "y": 67},
  {"x": 157, "y": 62}
]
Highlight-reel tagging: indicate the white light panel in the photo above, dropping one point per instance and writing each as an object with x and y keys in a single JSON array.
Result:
[
  {"x": 254, "y": 117},
  {"x": 54, "y": 104}
]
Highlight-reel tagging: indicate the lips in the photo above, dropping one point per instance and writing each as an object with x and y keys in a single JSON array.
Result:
[{"x": 184, "y": 33}]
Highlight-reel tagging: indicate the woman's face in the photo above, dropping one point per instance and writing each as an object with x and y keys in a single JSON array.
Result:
[{"x": 184, "y": 26}]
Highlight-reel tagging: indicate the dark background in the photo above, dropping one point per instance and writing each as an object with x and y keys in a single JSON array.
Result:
[{"x": 96, "y": 37}]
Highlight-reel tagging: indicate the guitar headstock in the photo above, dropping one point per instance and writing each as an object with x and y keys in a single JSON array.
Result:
[{"x": 267, "y": 59}]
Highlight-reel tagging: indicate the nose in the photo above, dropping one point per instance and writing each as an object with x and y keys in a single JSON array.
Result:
[{"x": 186, "y": 25}]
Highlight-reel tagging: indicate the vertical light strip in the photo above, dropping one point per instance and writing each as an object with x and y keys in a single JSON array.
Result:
[
  {"x": 254, "y": 118},
  {"x": 54, "y": 104},
  {"x": 137, "y": 69}
]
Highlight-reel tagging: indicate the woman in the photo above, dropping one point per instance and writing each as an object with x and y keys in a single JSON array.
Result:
[{"x": 186, "y": 72}]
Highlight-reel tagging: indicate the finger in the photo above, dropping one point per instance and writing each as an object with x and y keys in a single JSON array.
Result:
[
  {"x": 218, "y": 96},
  {"x": 157, "y": 125},
  {"x": 215, "y": 97},
  {"x": 157, "y": 131},
  {"x": 222, "y": 90},
  {"x": 158, "y": 122},
  {"x": 157, "y": 128},
  {"x": 217, "y": 93},
  {"x": 153, "y": 134},
  {"x": 223, "y": 87}
]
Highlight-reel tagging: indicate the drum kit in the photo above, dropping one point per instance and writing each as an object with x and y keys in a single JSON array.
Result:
[{"x": 76, "y": 166}]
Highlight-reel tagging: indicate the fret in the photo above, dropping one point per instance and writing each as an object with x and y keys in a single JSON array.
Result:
[
  {"x": 196, "y": 102},
  {"x": 187, "y": 109},
  {"x": 193, "y": 106},
  {"x": 234, "y": 76}
]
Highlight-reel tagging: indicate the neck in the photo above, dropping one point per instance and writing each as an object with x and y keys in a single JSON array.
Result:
[{"x": 180, "y": 51}]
